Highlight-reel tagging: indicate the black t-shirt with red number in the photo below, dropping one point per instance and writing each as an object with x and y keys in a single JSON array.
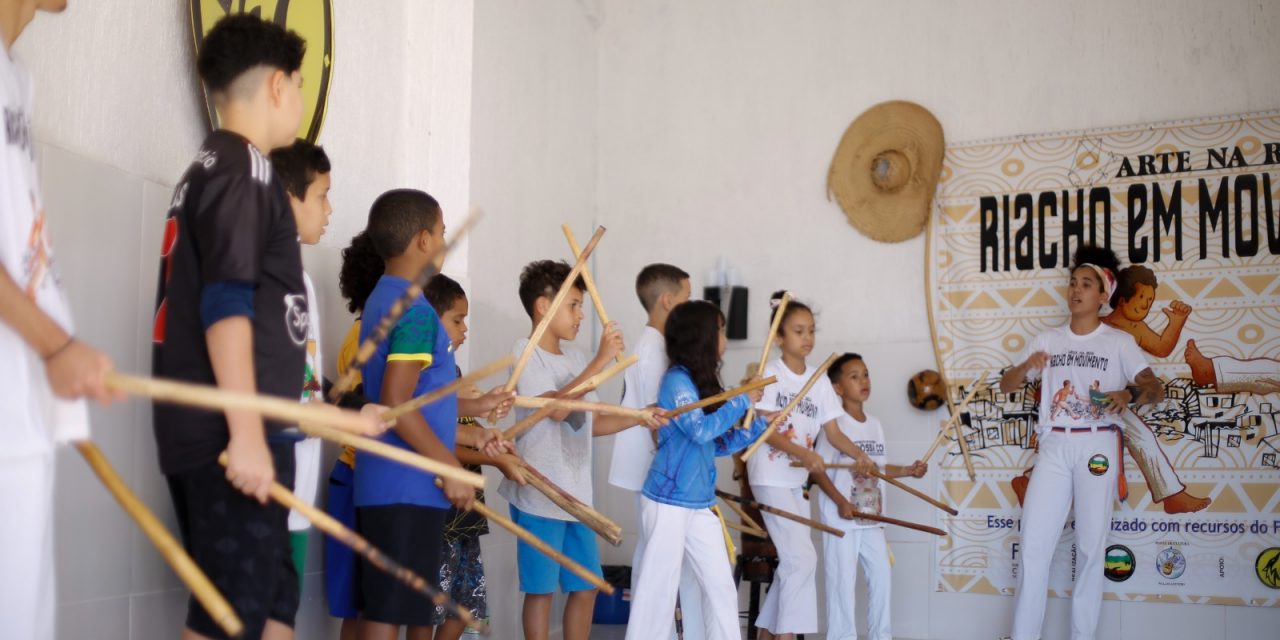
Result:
[{"x": 229, "y": 223}]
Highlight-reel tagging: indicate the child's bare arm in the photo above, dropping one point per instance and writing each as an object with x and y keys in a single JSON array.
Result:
[
  {"x": 508, "y": 463},
  {"x": 249, "y": 466},
  {"x": 916, "y": 469},
  {"x": 604, "y": 425},
  {"x": 828, "y": 487}
]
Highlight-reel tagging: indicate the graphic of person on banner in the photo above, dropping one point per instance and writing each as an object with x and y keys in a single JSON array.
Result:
[
  {"x": 1233, "y": 375},
  {"x": 1135, "y": 291}
]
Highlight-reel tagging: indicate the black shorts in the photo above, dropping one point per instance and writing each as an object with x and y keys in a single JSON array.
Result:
[
  {"x": 242, "y": 545},
  {"x": 412, "y": 536}
]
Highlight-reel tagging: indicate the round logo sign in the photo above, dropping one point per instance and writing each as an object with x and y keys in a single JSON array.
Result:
[
  {"x": 1268, "y": 567},
  {"x": 1098, "y": 464},
  {"x": 1170, "y": 563},
  {"x": 1119, "y": 564}
]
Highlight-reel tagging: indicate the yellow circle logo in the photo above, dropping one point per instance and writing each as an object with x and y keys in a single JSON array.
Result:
[{"x": 1267, "y": 567}]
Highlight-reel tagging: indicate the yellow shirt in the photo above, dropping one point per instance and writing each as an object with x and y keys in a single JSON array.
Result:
[{"x": 350, "y": 345}]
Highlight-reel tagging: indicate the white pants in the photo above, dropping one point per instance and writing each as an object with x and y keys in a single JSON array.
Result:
[
  {"x": 27, "y": 595},
  {"x": 1062, "y": 475},
  {"x": 1162, "y": 480},
  {"x": 791, "y": 605},
  {"x": 864, "y": 546},
  {"x": 676, "y": 537},
  {"x": 1256, "y": 375},
  {"x": 691, "y": 619},
  {"x": 306, "y": 478}
]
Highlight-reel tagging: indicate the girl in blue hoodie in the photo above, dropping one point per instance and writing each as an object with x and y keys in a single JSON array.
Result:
[{"x": 676, "y": 520}]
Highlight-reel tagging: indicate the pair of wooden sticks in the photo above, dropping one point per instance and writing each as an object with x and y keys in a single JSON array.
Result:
[
  {"x": 953, "y": 423},
  {"x": 822, "y": 527},
  {"x": 895, "y": 482},
  {"x": 764, "y": 355}
]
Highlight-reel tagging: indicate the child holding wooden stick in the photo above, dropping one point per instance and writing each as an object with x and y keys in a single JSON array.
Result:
[
  {"x": 232, "y": 310},
  {"x": 791, "y": 606},
  {"x": 678, "y": 529},
  {"x": 660, "y": 288},
  {"x": 400, "y": 510},
  {"x": 560, "y": 447},
  {"x": 855, "y": 437},
  {"x": 47, "y": 370},
  {"x": 461, "y": 565}
]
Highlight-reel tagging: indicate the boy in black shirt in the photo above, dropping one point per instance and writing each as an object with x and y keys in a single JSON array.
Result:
[{"x": 232, "y": 310}]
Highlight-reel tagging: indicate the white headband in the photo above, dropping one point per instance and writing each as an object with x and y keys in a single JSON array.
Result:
[{"x": 1105, "y": 276}]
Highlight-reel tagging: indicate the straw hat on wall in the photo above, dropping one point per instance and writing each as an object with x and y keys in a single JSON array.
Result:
[{"x": 886, "y": 168}]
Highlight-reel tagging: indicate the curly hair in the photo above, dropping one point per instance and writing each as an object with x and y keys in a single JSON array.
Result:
[
  {"x": 240, "y": 42},
  {"x": 1100, "y": 256},
  {"x": 693, "y": 342},
  {"x": 361, "y": 269},
  {"x": 544, "y": 278}
]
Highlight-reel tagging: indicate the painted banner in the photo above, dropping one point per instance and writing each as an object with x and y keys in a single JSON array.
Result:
[{"x": 1192, "y": 208}]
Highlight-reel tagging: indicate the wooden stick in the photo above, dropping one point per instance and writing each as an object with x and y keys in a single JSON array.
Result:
[
  {"x": 369, "y": 345},
  {"x": 558, "y": 404},
  {"x": 596, "y": 521},
  {"x": 773, "y": 424},
  {"x": 587, "y": 279},
  {"x": 565, "y": 288},
  {"x": 721, "y": 397},
  {"x": 746, "y": 519},
  {"x": 955, "y": 415},
  {"x": 751, "y": 531},
  {"x": 396, "y": 454},
  {"x": 433, "y": 396},
  {"x": 357, "y": 543},
  {"x": 215, "y": 399},
  {"x": 895, "y": 482},
  {"x": 170, "y": 549},
  {"x": 488, "y": 513},
  {"x": 808, "y": 522},
  {"x": 768, "y": 343},
  {"x": 586, "y": 386}
]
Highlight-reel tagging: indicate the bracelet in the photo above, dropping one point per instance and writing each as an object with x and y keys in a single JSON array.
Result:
[
  {"x": 59, "y": 350},
  {"x": 1134, "y": 391}
]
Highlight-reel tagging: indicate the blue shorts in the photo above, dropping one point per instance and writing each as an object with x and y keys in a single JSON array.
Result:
[
  {"x": 540, "y": 574},
  {"x": 339, "y": 559}
]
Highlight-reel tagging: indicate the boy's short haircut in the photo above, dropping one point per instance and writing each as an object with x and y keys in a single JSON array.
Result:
[
  {"x": 241, "y": 42},
  {"x": 544, "y": 278},
  {"x": 298, "y": 164},
  {"x": 396, "y": 217},
  {"x": 657, "y": 279},
  {"x": 1129, "y": 278},
  {"x": 442, "y": 292},
  {"x": 837, "y": 367}
]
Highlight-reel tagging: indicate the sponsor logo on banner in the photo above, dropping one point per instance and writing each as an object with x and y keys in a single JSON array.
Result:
[
  {"x": 1119, "y": 563},
  {"x": 1171, "y": 563},
  {"x": 1267, "y": 567}
]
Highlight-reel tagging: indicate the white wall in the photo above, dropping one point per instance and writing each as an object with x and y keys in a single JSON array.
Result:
[
  {"x": 118, "y": 117},
  {"x": 717, "y": 122}
]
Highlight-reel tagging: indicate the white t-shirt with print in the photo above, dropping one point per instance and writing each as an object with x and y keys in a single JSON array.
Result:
[
  {"x": 770, "y": 467},
  {"x": 32, "y": 419},
  {"x": 307, "y": 452},
  {"x": 560, "y": 450},
  {"x": 633, "y": 448},
  {"x": 865, "y": 492},
  {"x": 1080, "y": 370}
]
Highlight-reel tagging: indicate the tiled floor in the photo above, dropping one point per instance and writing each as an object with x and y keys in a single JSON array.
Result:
[{"x": 618, "y": 631}]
